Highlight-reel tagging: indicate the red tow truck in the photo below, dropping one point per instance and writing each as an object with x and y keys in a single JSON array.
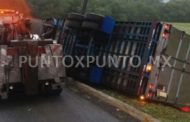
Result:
[{"x": 16, "y": 41}]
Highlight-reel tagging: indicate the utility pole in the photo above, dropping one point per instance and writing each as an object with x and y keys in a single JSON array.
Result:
[{"x": 84, "y": 6}]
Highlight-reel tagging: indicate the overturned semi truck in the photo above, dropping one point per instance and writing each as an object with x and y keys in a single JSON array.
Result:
[{"x": 163, "y": 74}]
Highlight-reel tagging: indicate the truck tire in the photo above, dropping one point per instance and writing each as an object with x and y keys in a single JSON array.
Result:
[
  {"x": 75, "y": 16},
  {"x": 56, "y": 92},
  {"x": 49, "y": 21},
  {"x": 72, "y": 24},
  {"x": 94, "y": 17},
  {"x": 50, "y": 92},
  {"x": 90, "y": 25}
]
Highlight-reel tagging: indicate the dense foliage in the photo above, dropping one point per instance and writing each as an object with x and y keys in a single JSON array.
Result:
[{"x": 174, "y": 10}]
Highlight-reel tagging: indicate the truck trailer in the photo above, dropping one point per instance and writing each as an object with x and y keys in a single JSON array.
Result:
[{"x": 163, "y": 72}]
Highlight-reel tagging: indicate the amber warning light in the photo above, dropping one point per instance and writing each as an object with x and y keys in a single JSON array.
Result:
[
  {"x": 18, "y": 5},
  {"x": 149, "y": 68}
]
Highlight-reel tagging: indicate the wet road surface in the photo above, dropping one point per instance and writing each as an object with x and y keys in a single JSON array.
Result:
[{"x": 68, "y": 107}]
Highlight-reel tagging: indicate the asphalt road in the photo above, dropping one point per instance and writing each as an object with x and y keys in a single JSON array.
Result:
[{"x": 69, "y": 107}]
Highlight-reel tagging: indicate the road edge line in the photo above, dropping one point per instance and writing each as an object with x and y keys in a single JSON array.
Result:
[{"x": 144, "y": 117}]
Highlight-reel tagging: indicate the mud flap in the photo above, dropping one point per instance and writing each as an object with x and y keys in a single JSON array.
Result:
[
  {"x": 55, "y": 70},
  {"x": 2, "y": 70},
  {"x": 30, "y": 74}
]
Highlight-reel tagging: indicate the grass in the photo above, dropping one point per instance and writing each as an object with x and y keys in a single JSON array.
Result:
[
  {"x": 182, "y": 26},
  {"x": 159, "y": 111}
]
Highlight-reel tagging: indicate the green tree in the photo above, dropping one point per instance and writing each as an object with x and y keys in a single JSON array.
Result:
[{"x": 133, "y": 10}]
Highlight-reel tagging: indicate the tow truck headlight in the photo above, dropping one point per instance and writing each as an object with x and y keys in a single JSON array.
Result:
[
  {"x": 11, "y": 87},
  {"x": 46, "y": 83}
]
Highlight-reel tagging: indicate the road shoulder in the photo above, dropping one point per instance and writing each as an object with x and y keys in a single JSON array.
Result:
[{"x": 112, "y": 101}]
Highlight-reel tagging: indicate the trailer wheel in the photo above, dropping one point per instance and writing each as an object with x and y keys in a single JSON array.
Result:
[
  {"x": 49, "y": 28},
  {"x": 94, "y": 17},
  {"x": 72, "y": 24},
  {"x": 90, "y": 25},
  {"x": 50, "y": 22},
  {"x": 36, "y": 26},
  {"x": 75, "y": 16}
]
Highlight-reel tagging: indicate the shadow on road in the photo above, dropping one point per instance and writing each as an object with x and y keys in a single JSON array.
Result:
[{"x": 22, "y": 100}]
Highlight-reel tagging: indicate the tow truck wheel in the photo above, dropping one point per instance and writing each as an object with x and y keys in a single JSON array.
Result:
[
  {"x": 46, "y": 88},
  {"x": 51, "y": 92},
  {"x": 56, "y": 92}
]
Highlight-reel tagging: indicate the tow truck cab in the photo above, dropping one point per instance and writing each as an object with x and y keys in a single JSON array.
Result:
[{"x": 11, "y": 25}]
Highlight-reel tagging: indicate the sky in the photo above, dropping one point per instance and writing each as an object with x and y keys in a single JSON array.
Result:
[{"x": 166, "y": 1}]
